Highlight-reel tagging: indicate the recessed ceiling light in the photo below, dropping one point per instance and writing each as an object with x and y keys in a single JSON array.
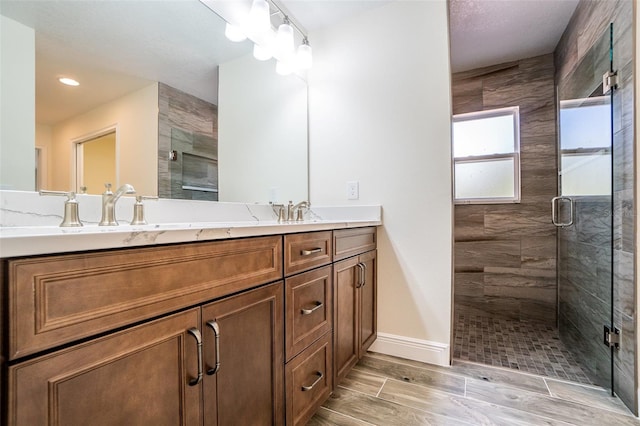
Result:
[{"x": 68, "y": 81}]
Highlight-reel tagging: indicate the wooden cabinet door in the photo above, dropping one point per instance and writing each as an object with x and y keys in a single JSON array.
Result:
[
  {"x": 139, "y": 376},
  {"x": 368, "y": 301},
  {"x": 247, "y": 387},
  {"x": 346, "y": 277}
]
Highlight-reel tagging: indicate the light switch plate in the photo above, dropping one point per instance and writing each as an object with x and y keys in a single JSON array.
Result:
[{"x": 353, "y": 192}]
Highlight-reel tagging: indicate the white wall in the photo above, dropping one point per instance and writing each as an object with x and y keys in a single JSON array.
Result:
[
  {"x": 136, "y": 118},
  {"x": 44, "y": 141},
  {"x": 17, "y": 105},
  {"x": 262, "y": 136},
  {"x": 380, "y": 110}
]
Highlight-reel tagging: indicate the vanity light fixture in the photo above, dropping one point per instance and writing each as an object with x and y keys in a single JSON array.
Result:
[
  {"x": 303, "y": 55},
  {"x": 268, "y": 43},
  {"x": 284, "y": 38},
  {"x": 68, "y": 81},
  {"x": 259, "y": 17},
  {"x": 234, "y": 33},
  {"x": 261, "y": 53}
]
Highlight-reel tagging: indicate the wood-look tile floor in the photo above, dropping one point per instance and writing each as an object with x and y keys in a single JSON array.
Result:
[{"x": 387, "y": 391}]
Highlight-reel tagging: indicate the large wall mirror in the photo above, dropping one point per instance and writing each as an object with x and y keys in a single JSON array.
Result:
[{"x": 181, "y": 111}]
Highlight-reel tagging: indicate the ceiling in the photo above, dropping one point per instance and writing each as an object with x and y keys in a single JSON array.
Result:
[
  {"x": 490, "y": 32},
  {"x": 126, "y": 45},
  {"x": 116, "y": 47}
]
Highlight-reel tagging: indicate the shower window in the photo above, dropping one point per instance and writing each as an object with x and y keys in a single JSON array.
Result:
[
  {"x": 585, "y": 156},
  {"x": 486, "y": 157}
]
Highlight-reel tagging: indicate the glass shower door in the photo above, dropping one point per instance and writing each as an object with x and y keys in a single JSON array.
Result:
[{"x": 583, "y": 212}]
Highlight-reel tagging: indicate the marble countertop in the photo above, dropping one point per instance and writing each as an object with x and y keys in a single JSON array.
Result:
[{"x": 29, "y": 223}]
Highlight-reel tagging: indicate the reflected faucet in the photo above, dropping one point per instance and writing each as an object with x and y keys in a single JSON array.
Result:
[
  {"x": 300, "y": 216},
  {"x": 109, "y": 200}
]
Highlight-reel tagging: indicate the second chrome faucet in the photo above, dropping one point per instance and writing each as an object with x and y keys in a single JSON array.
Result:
[{"x": 109, "y": 200}]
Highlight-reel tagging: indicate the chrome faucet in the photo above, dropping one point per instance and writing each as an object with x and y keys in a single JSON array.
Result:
[{"x": 109, "y": 200}]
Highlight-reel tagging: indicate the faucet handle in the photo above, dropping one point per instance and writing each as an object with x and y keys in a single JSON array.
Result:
[
  {"x": 138, "y": 209},
  {"x": 71, "y": 216},
  {"x": 108, "y": 190},
  {"x": 279, "y": 212}
]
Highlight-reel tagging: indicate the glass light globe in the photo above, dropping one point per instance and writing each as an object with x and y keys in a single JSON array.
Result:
[{"x": 234, "y": 33}]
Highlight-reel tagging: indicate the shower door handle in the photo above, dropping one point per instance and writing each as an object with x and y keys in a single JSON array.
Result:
[{"x": 555, "y": 202}]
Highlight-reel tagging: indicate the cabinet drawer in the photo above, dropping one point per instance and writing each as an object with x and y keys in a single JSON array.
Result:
[
  {"x": 308, "y": 309},
  {"x": 59, "y": 299},
  {"x": 306, "y": 251},
  {"x": 309, "y": 381},
  {"x": 351, "y": 242}
]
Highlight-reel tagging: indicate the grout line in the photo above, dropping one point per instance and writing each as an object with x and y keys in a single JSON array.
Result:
[
  {"x": 346, "y": 415},
  {"x": 383, "y": 383}
]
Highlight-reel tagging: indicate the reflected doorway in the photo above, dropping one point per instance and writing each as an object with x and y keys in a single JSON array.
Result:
[{"x": 96, "y": 163}]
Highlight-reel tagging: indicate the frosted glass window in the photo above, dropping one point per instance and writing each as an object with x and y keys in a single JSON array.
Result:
[
  {"x": 586, "y": 174},
  {"x": 485, "y": 179},
  {"x": 585, "y": 126},
  {"x": 483, "y": 136},
  {"x": 486, "y": 158}
]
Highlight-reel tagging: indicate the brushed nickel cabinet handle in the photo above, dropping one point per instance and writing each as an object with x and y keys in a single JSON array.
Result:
[
  {"x": 196, "y": 334},
  {"x": 308, "y": 388},
  {"x": 317, "y": 306},
  {"x": 310, "y": 252},
  {"x": 360, "y": 275},
  {"x": 216, "y": 332},
  {"x": 364, "y": 274}
]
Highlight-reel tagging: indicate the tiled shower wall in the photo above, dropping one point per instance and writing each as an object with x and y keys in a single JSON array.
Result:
[
  {"x": 180, "y": 110},
  {"x": 505, "y": 254},
  {"x": 581, "y": 304}
]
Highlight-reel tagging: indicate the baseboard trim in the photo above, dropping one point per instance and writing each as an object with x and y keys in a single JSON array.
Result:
[{"x": 410, "y": 348}]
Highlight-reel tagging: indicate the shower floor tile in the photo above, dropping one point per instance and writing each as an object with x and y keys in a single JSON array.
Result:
[{"x": 525, "y": 346}]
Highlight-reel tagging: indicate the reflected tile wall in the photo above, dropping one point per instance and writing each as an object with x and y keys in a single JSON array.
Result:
[{"x": 179, "y": 110}]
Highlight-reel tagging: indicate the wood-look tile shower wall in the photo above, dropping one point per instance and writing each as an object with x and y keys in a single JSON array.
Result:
[
  {"x": 188, "y": 113},
  {"x": 585, "y": 297},
  {"x": 505, "y": 254}
]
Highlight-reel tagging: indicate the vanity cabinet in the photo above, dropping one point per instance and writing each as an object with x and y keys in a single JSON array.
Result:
[
  {"x": 205, "y": 365},
  {"x": 253, "y": 331},
  {"x": 355, "y": 298},
  {"x": 308, "y": 324},
  {"x": 134, "y": 336}
]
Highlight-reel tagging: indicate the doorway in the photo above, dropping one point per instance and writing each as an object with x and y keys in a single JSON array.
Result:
[{"x": 96, "y": 162}]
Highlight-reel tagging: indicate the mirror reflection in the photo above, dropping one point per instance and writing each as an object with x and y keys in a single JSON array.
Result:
[{"x": 191, "y": 114}]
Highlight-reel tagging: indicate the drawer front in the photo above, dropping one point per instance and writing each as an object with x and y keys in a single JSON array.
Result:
[
  {"x": 306, "y": 251},
  {"x": 308, "y": 309},
  {"x": 59, "y": 299},
  {"x": 308, "y": 381},
  {"x": 351, "y": 242}
]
